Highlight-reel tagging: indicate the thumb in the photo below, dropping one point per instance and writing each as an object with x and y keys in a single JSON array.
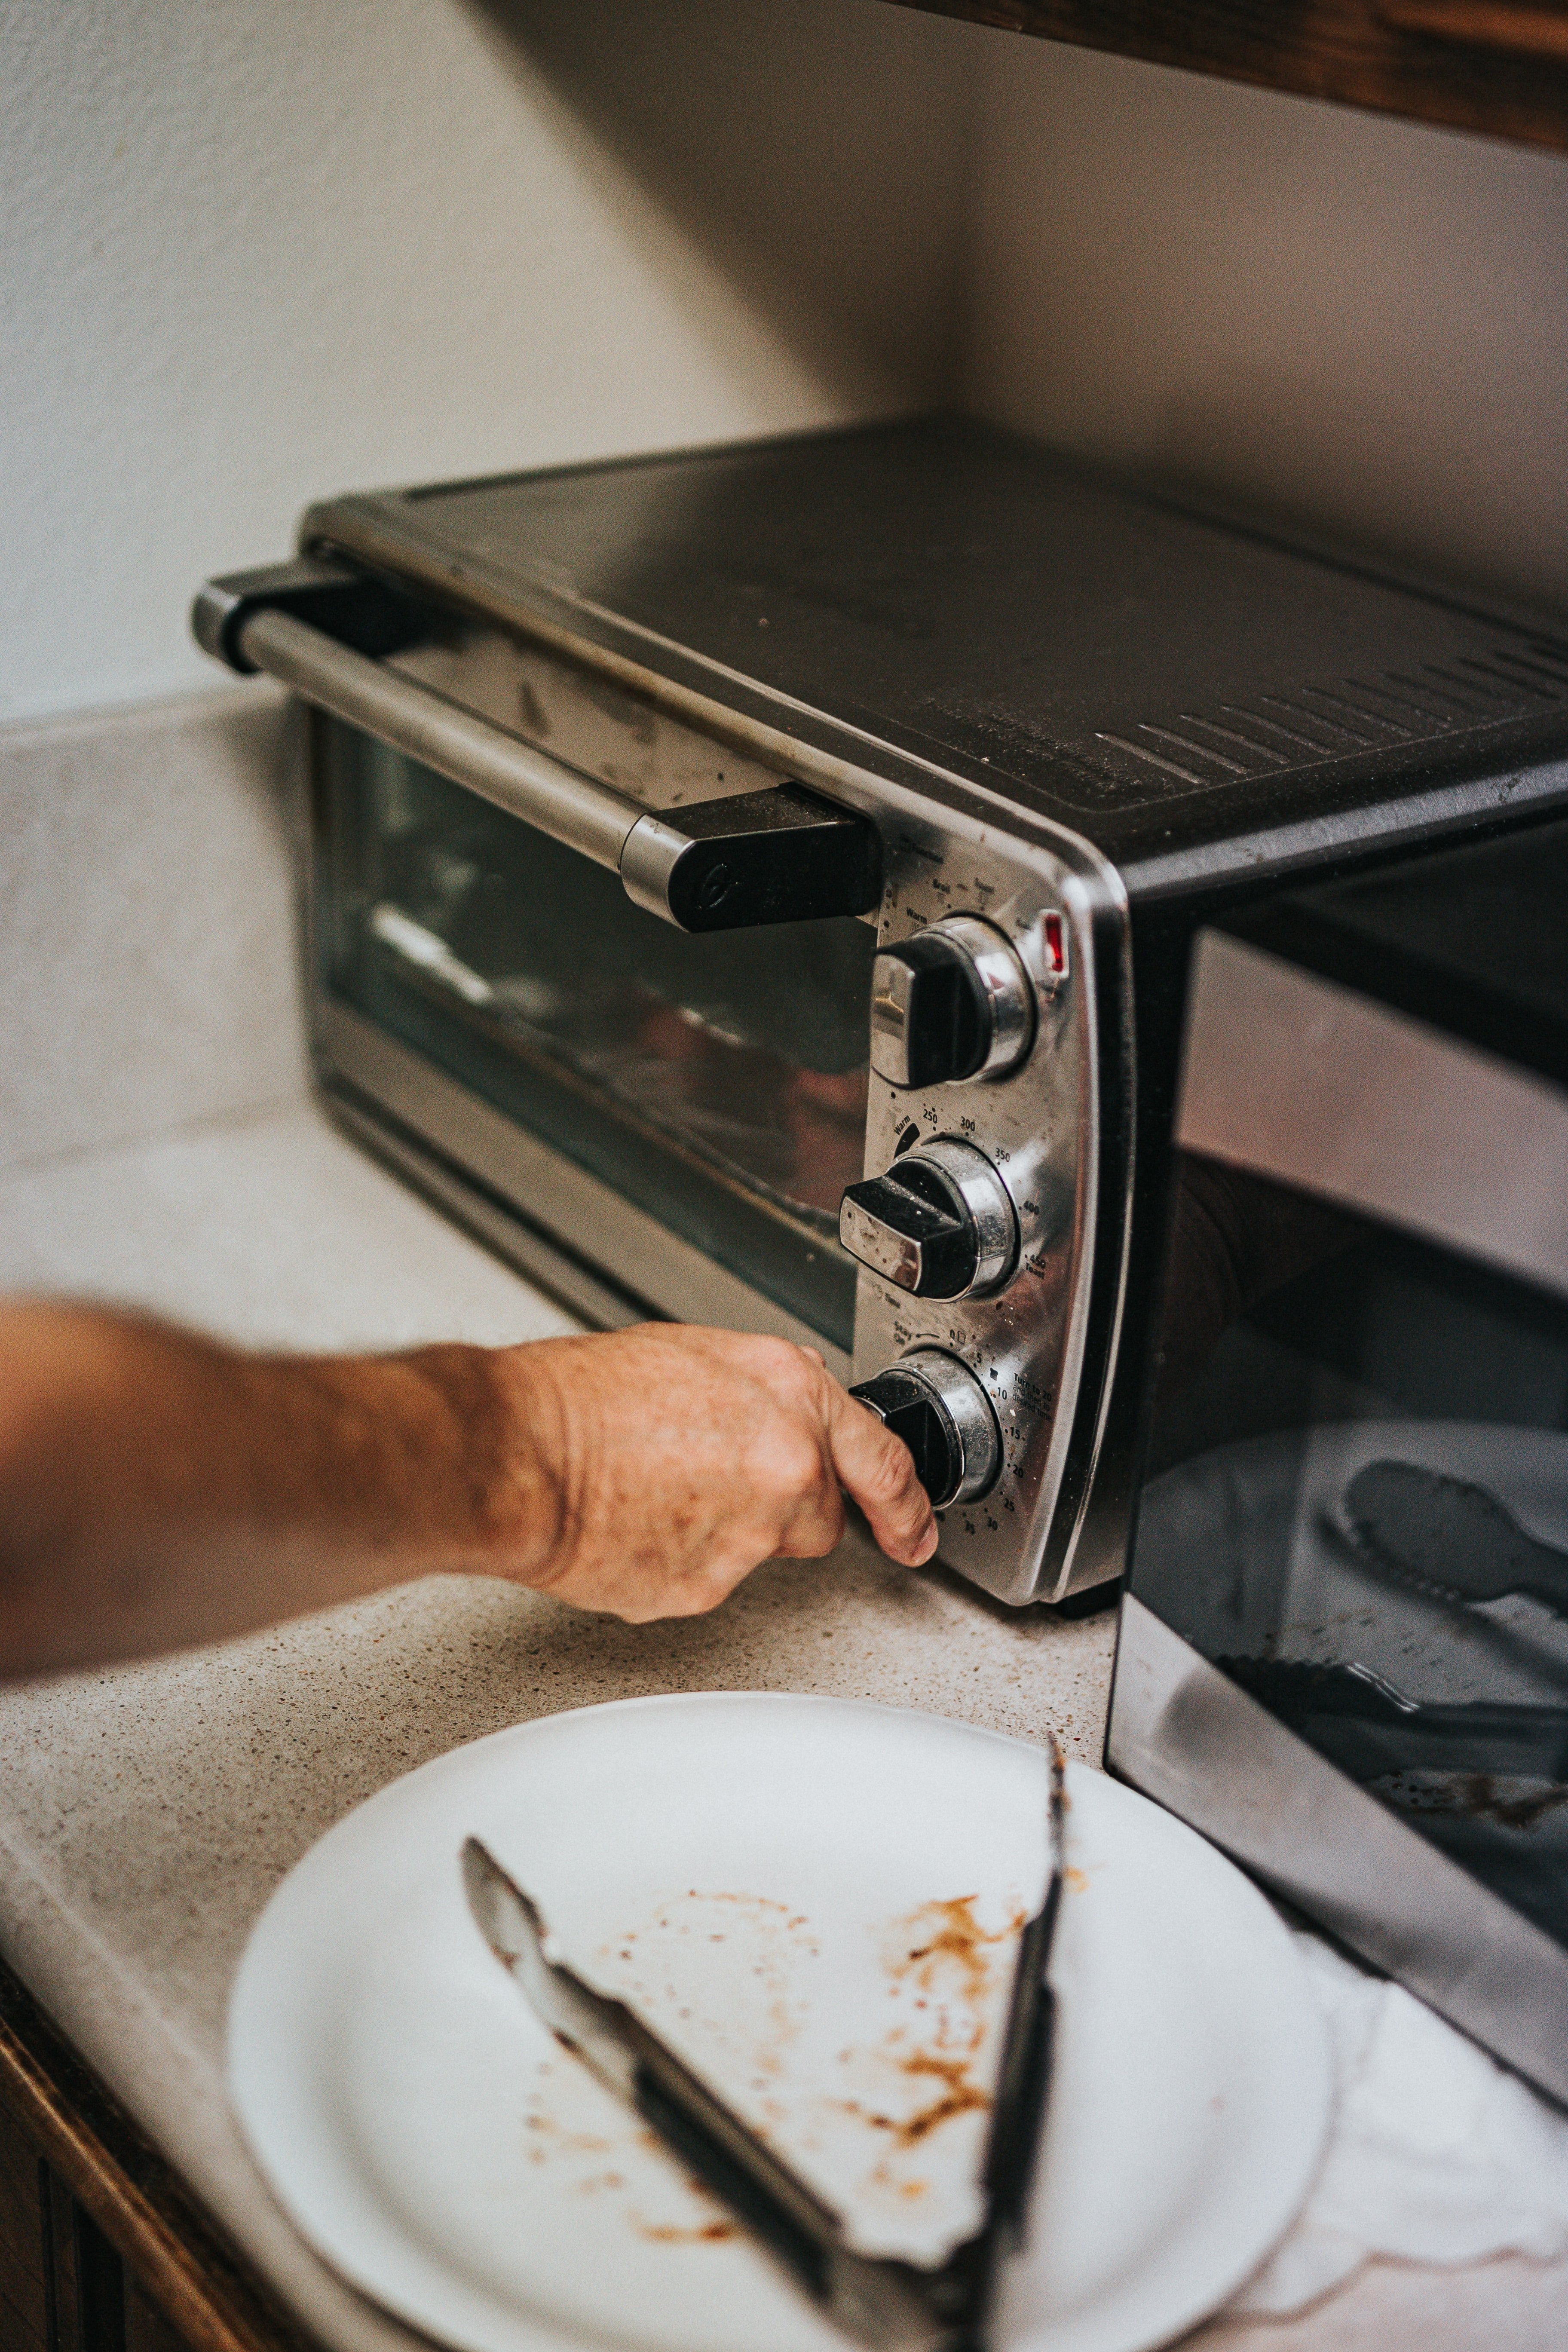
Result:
[{"x": 877, "y": 1471}]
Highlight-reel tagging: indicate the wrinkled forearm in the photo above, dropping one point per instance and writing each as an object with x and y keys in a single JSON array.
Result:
[{"x": 157, "y": 1488}]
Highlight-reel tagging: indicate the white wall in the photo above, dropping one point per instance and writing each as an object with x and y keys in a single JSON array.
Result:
[
  {"x": 254, "y": 251},
  {"x": 1361, "y": 320}
]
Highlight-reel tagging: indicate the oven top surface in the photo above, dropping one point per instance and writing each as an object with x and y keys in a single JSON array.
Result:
[{"x": 1147, "y": 676}]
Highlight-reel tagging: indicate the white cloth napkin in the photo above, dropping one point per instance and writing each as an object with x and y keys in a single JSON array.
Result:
[{"x": 1436, "y": 2155}]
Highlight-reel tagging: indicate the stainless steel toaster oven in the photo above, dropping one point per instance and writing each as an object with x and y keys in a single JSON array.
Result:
[
  {"x": 1344, "y": 1641},
  {"x": 756, "y": 886}
]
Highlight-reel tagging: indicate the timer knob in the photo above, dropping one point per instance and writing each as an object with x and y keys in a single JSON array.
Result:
[
  {"x": 944, "y": 1416},
  {"x": 940, "y": 1223},
  {"x": 954, "y": 1002}
]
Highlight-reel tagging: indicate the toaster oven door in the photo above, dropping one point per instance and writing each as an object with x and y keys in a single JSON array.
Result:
[{"x": 698, "y": 1102}]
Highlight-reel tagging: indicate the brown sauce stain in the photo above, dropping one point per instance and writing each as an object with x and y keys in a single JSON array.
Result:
[
  {"x": 958, "y": 2096},
  {"x": 667, "y": 2233},
  {"x": 749, "y": 1902},
  {"x": 950, "y": 1932},
  {"x": 945, "y": 1964},
  {"x": 951, "y": 1937}
]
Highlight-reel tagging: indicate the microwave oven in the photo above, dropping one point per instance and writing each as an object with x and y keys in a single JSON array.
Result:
[
  {"x": 755, "y": 887},
  {"x": 1343, "y": 1652}
]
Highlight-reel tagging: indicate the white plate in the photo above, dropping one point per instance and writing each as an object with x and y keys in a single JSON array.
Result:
[{"x": 815, "y": 1899}]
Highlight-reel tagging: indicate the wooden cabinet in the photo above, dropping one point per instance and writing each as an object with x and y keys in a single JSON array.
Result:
[
  {"x": 1499, "y": 66},
  {"x": 63, "y": 2287},
  {"x": 101, "y": 2250}
]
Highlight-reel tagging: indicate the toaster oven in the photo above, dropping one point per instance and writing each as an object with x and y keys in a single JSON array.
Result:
[
  {"x": 755, "y": 887},
  {"x": 1344, "y": 1641}
]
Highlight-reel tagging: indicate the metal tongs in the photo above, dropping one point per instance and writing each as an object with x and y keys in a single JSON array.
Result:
[{"x": 882, "y": 2299}]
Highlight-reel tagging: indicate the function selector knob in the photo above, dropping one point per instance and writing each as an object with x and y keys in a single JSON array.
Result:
[
  {"x": 940, "y": 1223},
  {"x": 944, "y": 1416},
  {"x": 952, "y": 1001}
]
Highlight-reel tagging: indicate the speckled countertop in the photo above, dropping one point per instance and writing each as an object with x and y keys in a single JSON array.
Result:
[{"x": 147, "y": 1814}]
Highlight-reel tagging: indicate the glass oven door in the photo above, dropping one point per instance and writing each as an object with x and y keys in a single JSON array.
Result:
[{"x": 717, "y": 1081}]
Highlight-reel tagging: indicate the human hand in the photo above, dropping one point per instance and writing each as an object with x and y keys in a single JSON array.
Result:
[
  {"x": 679, "y": 1458},
  {"x": 159, "y": 1488}
]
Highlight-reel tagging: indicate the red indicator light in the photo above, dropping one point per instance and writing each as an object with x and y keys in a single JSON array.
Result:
[{"x": 1056, "y": 946}]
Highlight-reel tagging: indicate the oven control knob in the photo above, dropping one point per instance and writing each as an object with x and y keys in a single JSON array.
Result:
[
  {"x": 954, "y": 1002},
  {"x": 944, "y": 1416},
  {"x": 940, "y": 1223}
]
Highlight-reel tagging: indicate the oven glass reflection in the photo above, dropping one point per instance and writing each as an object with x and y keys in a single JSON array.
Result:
[
  {"x": 1358, "y": 1510},
  {"x": 719, "y": 1081}
]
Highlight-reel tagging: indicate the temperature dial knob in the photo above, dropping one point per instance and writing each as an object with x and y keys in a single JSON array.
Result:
[
  {"x": 952, "y": 1001},
  {"x": 940, "y": 1223},
  {"x": 944, "y": 1416}
]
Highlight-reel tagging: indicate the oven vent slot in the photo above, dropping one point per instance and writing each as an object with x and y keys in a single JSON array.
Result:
[{"x": 1273, "y": 730}]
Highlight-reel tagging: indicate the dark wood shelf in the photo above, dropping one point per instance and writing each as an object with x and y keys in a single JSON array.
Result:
[{"x": 1496, "y": 66}]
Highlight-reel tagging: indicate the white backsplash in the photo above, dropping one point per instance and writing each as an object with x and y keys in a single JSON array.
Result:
[{"x": 147, "y": 961}]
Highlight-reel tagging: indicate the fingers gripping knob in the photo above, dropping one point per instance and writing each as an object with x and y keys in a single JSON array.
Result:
[
  {"x": 944, "y": 1416},
  {"x": 907, "y": 1407}
]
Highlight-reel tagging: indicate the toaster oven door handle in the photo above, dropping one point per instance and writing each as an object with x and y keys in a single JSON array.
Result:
[
  {"x": 778, "y": 856},
  {"x": 569, "y": 807}
]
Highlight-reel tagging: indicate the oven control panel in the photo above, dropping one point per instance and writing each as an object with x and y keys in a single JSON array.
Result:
[{"x": 973, "y": 1222}]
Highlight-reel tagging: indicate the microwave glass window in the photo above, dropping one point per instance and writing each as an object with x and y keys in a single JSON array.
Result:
[
  {"x": 1357, "y": 1509},
  {"x": 720, "y": 1082}
]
